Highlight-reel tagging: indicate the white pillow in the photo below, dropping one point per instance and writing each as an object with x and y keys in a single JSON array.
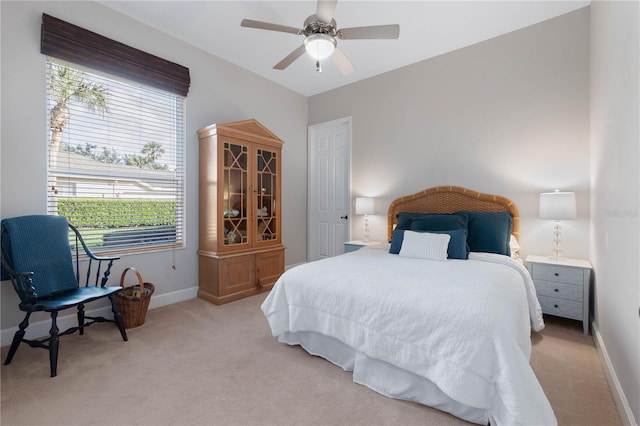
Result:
[
  {"x": 425, "y": 245},
  {"x": 514, "y": 247}
]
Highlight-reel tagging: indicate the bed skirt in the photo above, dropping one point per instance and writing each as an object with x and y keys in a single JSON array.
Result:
[{"x": 383, "y": 377}]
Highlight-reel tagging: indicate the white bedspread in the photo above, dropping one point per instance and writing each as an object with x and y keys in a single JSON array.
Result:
[{"x": 462, "y": 324}]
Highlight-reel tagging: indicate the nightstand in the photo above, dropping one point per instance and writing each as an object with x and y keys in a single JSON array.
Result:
[
  {"x": 354, "y": 245},
  {"x": 562, "y": 286}
]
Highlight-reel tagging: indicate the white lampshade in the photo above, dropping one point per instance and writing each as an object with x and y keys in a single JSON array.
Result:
[
  {"x": 558, "y": 205},
  {"x": 319, "y": 46},
  {"x": 364, "y": 205}
]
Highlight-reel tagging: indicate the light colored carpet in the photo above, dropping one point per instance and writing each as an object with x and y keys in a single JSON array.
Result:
[{"x": 194, "y": 363}]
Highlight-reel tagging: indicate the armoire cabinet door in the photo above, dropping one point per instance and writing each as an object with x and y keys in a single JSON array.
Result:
[
  {"x": 236, "y": 274},
  {"x": 235, "y": 194},
  {"x": 269, "y": 267},
  {"x": 267, "y": 196}
]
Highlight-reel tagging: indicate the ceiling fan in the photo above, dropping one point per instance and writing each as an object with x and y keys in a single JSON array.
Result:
[{"x": 321, "y": 34}]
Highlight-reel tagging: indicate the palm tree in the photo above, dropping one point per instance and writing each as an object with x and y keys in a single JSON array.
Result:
[
  {"x": 136, "y": 160},
  {"x": 67, "y": 85},
  {"x": 153, "y": 150}
]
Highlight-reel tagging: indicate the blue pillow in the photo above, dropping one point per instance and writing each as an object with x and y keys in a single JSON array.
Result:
[
  {"x": 431, "y": 221},
  {"x": 457, "y": 248},
  {"x": 396, "y": 241},
  {"x": 489, "y": 232}
]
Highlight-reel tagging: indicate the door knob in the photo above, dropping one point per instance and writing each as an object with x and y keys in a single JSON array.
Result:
[{"x": 345, "y": 217}]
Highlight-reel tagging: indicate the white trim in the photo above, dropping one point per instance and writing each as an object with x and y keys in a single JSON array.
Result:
[
  {"x": 622, "y": 403},
  {"x": 41, "y": 328},
  {"x": 173, "y": 297}
]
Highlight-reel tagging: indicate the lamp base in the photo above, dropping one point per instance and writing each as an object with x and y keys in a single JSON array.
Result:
[
  {"x": 366, "y": 229},
  {"x": 557, "y": 234}
]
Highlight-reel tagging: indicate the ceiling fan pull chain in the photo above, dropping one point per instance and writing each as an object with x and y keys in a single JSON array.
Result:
[{"x": 318, "y": 67}]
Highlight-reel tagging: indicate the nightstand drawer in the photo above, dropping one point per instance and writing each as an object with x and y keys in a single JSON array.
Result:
[
  {"x": 561, "y": 274},
  {"x": 561, "y": 307},
  {"x": 559, "y": 290}
]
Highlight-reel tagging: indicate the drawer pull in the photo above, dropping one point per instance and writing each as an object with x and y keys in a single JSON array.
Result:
[
  {"x": 556, "y": 274},
  {"x": 555, "y": 306},
  {"x": 556, "y": 290}
]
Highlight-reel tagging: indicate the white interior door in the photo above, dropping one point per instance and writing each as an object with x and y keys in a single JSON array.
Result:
[{"x": 329, "y": 191}]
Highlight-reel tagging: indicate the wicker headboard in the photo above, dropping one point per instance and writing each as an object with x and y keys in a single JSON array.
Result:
[{"x": 448, "y": 199}]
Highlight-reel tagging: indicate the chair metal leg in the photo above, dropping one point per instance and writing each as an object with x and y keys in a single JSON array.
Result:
[
  {"x": 17, "y": 338},
  {"x": 53, "y": 344},
  {"x": 117, "y": 316},
  {"x": 81, "y": 318}
]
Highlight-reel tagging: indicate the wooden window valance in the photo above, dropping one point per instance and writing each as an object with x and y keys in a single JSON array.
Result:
[{"x": 71, "y": 43}]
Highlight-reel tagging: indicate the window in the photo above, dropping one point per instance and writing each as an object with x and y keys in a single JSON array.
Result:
[{"x": 115, "y": 167}]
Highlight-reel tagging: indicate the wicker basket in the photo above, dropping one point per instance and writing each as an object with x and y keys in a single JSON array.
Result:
[{"x": 133, "y": 301}]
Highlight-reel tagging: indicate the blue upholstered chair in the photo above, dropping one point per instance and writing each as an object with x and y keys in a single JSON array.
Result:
[{"x": 37, "y": 257}]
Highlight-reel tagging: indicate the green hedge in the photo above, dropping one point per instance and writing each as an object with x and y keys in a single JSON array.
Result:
[{"x": 116, "y": 212}]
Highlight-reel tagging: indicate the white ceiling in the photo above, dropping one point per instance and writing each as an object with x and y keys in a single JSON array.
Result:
[{"x": 427, "y": 29}]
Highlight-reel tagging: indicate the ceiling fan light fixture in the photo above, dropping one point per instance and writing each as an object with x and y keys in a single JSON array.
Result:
[{"x": 319, "y": 46}]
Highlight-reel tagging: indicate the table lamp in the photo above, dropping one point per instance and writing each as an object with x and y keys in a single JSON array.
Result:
[{"x": 557, "y": 206}]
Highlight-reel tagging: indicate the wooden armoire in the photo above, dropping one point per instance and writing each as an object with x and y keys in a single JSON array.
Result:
[{"x": 240, "y": 250}]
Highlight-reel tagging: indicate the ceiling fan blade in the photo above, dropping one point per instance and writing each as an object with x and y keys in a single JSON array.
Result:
[
  {"x": 325, "y": 10},
  {"x": 342, "y": 62},
  {"x": 289, "y": 59},
  {"x": 372, "y": 32},
  {"x": 268, "y": 26}
]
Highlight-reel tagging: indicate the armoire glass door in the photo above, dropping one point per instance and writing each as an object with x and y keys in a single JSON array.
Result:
[
  {"x": 266, "y": 190},
  {"x": 235, "y": 212}
]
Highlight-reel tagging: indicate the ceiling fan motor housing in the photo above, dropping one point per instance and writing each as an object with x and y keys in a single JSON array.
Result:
[
  {"x": 312, "y": 25},
  {"x": 320, "y": 41}
]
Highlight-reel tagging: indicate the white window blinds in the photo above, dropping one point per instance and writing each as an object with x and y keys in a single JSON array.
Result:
[{"x": 115, "y": 165}]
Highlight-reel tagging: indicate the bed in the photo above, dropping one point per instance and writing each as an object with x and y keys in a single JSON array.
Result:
[{"x": 451, "y": 333}]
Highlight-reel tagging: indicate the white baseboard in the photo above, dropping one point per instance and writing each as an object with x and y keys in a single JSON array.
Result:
[
  {"x": 622, "y": 403},
  {"x": 41, "y": 328}
]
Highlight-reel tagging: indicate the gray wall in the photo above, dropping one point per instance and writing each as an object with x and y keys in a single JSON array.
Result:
[
  {"x": 220, "y": 92},
  {"x": 507, "y": 116},
  {"x": 615, "y": 191}
]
